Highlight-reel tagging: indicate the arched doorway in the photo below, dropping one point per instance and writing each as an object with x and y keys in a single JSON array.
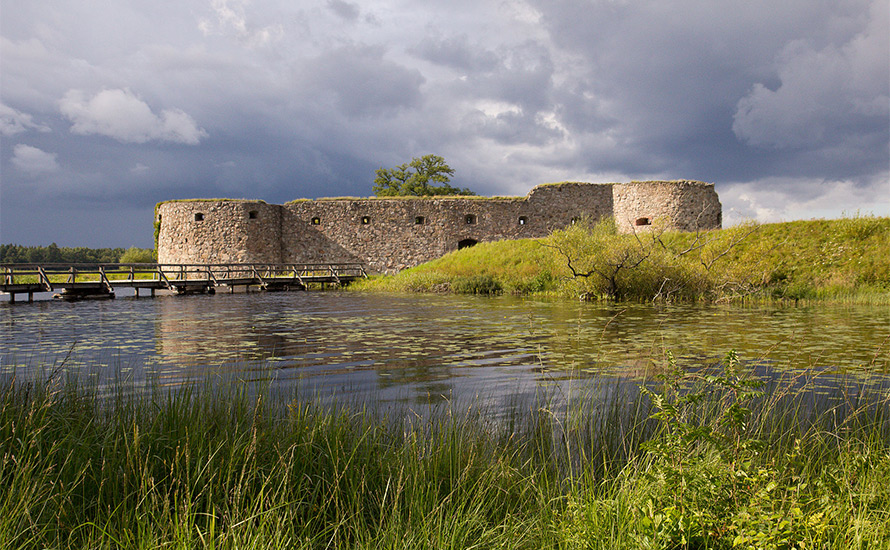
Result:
[{"x": 466, "y": 243}]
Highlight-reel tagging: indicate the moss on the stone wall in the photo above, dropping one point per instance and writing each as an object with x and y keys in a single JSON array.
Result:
[
  {"x": 566, "y": 183},
  {"x": 211, "y": 200},
  {"x": 409, "y": 198}
]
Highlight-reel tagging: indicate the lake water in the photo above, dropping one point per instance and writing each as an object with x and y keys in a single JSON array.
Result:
[{"x": 426, "y": 348}]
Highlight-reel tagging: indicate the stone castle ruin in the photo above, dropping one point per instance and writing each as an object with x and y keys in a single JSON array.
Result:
[{"x": 388, "y": 234}]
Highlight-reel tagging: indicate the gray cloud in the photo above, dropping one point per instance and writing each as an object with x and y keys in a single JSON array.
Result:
[
  {"x": 33, "y": 161},
  {"x": 346, "y": 10},
  {"x": 14, "y": 122},
  {"x": 511, "y": 127},
  {"x": 230, "y": 17}
]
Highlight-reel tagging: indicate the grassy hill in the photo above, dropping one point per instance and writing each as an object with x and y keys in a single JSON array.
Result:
[{"x": 839, "y": 260}]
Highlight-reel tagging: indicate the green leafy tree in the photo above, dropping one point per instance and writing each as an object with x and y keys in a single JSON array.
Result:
[{"x": 418, "y": 178}]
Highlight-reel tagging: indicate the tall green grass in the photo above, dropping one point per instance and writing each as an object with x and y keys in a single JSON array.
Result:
[
  {"x": 843, "y": 260},
  {"x": 711, "y": 458},
  {"x": 521, "y": 267}
]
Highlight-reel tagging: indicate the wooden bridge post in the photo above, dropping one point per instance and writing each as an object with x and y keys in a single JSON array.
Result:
[{"x": 45, "y": 279}]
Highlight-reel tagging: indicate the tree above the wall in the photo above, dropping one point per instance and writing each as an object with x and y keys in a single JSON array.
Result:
[{"x": 418, "y": 178}]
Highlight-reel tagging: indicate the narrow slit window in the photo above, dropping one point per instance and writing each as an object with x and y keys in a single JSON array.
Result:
[
  {"x": 470, "y": 219},
  {"x": 199, "y": 217},
  {"x": 366, "y": 220},
  {"x": 576, "y": 219},
  {"x": 523, "y": 220},
  {"x": 316, "y": 221},
  {"x": 252, "y": 214},
  {"x": 419, "y": 220},
  {"x": 643, "y": 221}
]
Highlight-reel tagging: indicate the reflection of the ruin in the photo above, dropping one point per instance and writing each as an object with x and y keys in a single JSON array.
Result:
[
  {"x": 430, "y": 343},
  {"x": 430, "y": 348}
]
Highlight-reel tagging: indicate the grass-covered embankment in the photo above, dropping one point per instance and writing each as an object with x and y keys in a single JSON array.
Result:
[
  {"x": 727, "y": 465},
  {"x": 841, "y": 260}
]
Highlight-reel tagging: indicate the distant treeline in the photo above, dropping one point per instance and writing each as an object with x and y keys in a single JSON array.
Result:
[{"x": 14, "y": 253}]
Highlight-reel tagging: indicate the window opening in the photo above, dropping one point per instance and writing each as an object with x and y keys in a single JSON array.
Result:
[
  {"x": 419, "y": 220},
  {"x": 366, "y": 220},
  {"x": 199, "y": 217},
  {"x": 523, "y": 220},
  {"x": 466, "y": 243},
  {"x": 643, "y": 221},
  {"x": 316, "y": 221},
  {"x": 470, "y": 219},
  {"x": 252, "y": 214},
  {"x": 576, "y": 219}
]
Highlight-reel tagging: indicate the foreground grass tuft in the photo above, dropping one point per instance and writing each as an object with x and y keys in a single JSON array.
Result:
[{"x": 704, "y": 459}]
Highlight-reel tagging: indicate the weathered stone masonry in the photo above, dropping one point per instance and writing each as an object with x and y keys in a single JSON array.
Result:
[{"x": 389, "y": 234}]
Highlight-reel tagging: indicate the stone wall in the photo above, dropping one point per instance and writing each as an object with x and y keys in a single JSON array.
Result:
[
  {"x": 392, "y": 234},
  {"x": 389, "y": 234}
]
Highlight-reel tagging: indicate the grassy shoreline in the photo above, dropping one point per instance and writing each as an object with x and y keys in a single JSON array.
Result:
[
  {"x": 841, "y": 260},
  {"x": 706, "y": 459}
]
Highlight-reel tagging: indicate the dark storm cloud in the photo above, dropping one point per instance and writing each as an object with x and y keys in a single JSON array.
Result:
[
  {"x": 361, "y": 81},
  {"x": 456, "y": 52},
  {"x": 685, "y": 84},
  {"x": 524, "y": 77}
]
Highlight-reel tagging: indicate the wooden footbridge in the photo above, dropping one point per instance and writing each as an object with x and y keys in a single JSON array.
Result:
[{"x": 81, "y": 281}]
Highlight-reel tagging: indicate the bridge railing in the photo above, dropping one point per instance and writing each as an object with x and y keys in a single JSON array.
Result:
[
  {"x": 52, "y": 275},
  {"x": 222, "y": 273}
]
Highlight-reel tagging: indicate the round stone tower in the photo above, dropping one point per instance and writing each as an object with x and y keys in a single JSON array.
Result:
[
  {"x": 683, "y": 205},
  {"x": 217, "y": 231}
]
